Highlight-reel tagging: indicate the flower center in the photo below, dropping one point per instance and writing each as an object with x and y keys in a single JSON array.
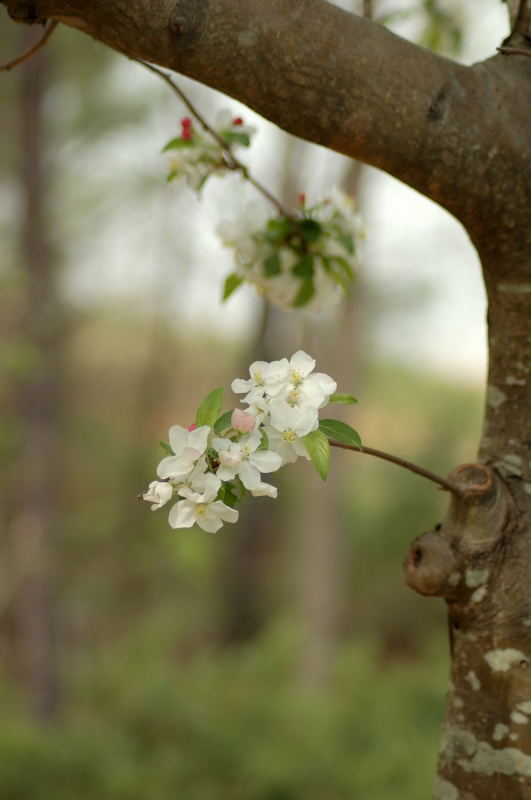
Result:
[
  {"x": 296, "y": 377},
  {"x": 289, "y": 436},
  {"x": 259, "y": 378},
  {"x": 293, "y": 397},
  {"x": 200, "y": 509}
]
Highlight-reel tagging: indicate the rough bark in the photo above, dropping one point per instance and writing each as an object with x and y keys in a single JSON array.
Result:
[{"x": 461, "y": 136}]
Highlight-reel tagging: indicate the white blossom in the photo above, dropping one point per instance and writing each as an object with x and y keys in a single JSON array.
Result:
[
  {"x": 188, "y": 447},
  {"x": 201, "y": 507},
  {"x": 288, "y": 427},
  {"x": 243, "y": 458},
  {"x": 158, "y": 493}
]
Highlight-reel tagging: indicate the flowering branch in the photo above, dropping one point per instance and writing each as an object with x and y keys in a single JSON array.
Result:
[
  {"x": 401, "y": 462},
  {"x": 233, "y": 163},
  {"x": 48, "y": 30}
]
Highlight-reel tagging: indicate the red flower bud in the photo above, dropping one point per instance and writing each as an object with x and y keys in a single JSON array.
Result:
[{"x": 237, "y": 121}]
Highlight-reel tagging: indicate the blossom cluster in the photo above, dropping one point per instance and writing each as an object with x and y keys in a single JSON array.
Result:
[
  {"x": 195, "y": 156},
  {"x": 211, "y": 465},
  {"x": 304, "y": 260}
]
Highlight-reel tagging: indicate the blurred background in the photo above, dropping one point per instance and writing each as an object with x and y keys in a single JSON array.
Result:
[{"x": 283, "y": 658}]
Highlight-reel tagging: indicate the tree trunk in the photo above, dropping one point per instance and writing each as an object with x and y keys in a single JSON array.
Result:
[{"x": 33, "y": 495}]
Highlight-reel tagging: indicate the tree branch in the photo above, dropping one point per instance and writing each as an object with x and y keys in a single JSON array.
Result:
[
  {"x": 48, "y": 30},
  {"x": 401, "y": 462},
  {"x": 344, "y": 82}
]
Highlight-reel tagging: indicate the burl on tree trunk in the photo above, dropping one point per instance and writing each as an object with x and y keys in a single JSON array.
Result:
[{"x": 477, "y": 560}]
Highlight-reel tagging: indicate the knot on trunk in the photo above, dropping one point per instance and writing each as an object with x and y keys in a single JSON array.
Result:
[
  {"x": 450, "y": 561},
  {"x": 429, "y": 564}
]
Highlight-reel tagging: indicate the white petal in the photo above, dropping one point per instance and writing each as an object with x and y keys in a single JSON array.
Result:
[
  {"x": 178, "y": 438},
  {"x": 182, "y": 515},
  {"x": 302, "y": 362},
  {"x": 265, "y": 490},
  {"x": 250, "y": 475},
  {"x": 172, "y": 467},
  {"x": 265, "y": 460},
  {"x": 240, "y": 386},
  {"x": 198, "y": 439}
]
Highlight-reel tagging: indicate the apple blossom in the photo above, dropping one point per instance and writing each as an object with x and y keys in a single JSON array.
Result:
[
  {"x": 243, "y": 458},
  {"x": 202, "y": 508},
  {"x": 158, "y": 493},
  {"x": 188, "y": 447}
]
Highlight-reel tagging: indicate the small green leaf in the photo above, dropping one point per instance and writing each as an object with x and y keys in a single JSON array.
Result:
[
  {"x": 264, "y": 441},
  {"x": 236, "y": 137},
  {"x": 272, "y": 265},
  {"x": 208, "y": 411},
  {"x": 227, "y": 495},
  {"x": 304, "y": 267},
  {"x": 278, "y": 230},
  {"x": 309, "y": 229},
  {"x": 305, "y": 294},
  {"x": 167, "y": 448},
  {"x": 232, "y": 282},
  {"x": 342, "y": 398},
  {"x": 178, "y": 144},
  {"x": 347, "y": 240},
  {"x": 340, "y": 432},
  {"x": 345, "y": 266},
  {"x": 318, "y": 449},
  {"x": 223, "y": 422}
]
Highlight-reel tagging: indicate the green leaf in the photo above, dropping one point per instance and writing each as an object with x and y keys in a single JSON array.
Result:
[
  {"x": 340, "y": 432},
  {"x": 208, "y": 411},
  {"x": 236, "y": 137},
  {"x": 347, "y": 240},
  {"x": 167, "y": 448},
  {"x": 342, "y": 398},
  {"x": 232, "y": 282},
  {"x": 223, "y": 422},
  {"x": 304, "y": 267},
  {"x": 305, "y": 294},
  {"x": 278, "y": 230},
  {"x": 272, "y": 265},
  {"x": 318, "y": 449},
  {"x": 345, "y": 266},
  {"x": 264, "y": 441},
  {"x": 178, "y": 144},
  {"x": 309, "y": 229},
  {"x": 227, "y": 495}
]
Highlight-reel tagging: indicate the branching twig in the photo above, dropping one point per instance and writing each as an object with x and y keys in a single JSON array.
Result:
[
  {"x": 514, "y": 51},
  {"x": 48, "y": 30},
  {"x": 425, "y": 473},
  {"x": 232, "y": 161}
]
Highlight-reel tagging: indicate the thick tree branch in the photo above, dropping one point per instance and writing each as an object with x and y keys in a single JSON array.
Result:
[{"x": 339, "y": 80}]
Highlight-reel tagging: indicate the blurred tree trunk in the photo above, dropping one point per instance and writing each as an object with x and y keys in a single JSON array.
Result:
[
  {"x": 322, "y": 562},
  {"x": 34, "y": 489}
]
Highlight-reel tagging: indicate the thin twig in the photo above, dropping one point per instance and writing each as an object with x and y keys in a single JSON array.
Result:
[
  {"x": 514, "y": 51},
  {"x": 232, "y": 161},
  {"x": 48, "y": 30},
  {"x": 425, "y": 473}
]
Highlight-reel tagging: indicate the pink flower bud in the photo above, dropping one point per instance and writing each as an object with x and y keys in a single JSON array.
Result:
[
  {"x": 242, "y": 421},
  {"x": 192, "y": 427}
]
